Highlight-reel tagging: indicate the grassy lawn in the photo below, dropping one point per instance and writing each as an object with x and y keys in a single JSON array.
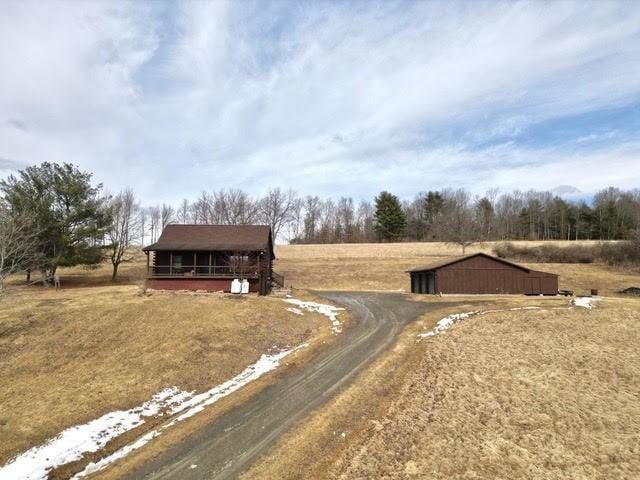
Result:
[
  {"x": 550, "y": 393},
  {"x": 72, "y": 355},
  {"x": 383, "y": 266},
  {"x": 535, "y": 395},
  {"x": 546, "y": 393}
]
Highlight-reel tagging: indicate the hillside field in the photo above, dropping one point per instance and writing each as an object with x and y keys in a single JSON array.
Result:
[
  {"x": 479, "y": 400},
  {"x": 70, "y": 356},
  {"x": 382, "y": 266},
  {"x": 517, "y": 393}
]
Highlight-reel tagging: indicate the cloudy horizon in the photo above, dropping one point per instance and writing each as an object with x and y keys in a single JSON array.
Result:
[{"x": 327, "y": 98}]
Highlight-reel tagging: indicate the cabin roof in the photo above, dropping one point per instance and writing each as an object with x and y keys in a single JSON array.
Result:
[
  {"x": 451, "y": 261},
  {"x": 179, "y": 237}
]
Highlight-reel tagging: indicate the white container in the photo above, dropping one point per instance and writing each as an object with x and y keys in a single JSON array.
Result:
[
  {"x": 236, "y": 286},
  {"x": 245, "y": 286}
]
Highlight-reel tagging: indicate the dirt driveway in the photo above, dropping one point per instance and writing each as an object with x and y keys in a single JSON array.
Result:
[{"x": 230, "y": 444}]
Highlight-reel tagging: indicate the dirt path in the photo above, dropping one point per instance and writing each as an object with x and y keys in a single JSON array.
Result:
[{"x": 230, "y": 444}]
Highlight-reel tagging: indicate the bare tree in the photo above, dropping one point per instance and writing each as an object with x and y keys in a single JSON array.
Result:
[
  {"x": 124, "y": 228},
  {"x": 18, "y": 242},
  {"x": 154, "y": 214},
  {"x": 235, "y": 207},
  {"x": 295, "y": 226},
  {"x": 142, "y": 218},
  {"x": 460, "y": 222},
  {"x": 166, "y": 215},
  {"x": 277, "y": 209},
  {"x": 312, "y": 208},
  {"x": 183, "y": 213}
]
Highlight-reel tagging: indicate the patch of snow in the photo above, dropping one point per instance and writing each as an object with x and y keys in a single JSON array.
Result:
[
  {"x": 73, "y": 443},
  {"x": 328, "y": 311},
  {"x": 295, "y": 310},
  {"x": 448, "y": 321},
  {"x": 584, "y": 302}
]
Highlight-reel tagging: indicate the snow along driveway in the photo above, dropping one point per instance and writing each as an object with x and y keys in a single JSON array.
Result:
[
  {"x": 175, "y": 404},
  {"x": 231, "y": 443}
]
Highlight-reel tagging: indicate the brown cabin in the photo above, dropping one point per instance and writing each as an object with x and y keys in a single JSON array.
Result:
[
  {"x": 210, "y": 257},
  {"x": 481, "y": 274}
]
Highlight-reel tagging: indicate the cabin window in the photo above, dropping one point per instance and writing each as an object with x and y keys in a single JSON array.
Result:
[{"x": 177, "y": 261}]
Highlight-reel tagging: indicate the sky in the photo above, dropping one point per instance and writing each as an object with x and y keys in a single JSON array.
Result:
[{"x": 327, "y": 98}]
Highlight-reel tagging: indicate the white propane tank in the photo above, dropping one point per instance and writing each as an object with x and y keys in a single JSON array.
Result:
[
  {"x": 245, "y": 286},
  {"x": 236, "y": 286}
]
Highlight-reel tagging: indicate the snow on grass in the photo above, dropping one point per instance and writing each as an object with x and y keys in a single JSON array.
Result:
[
  {"x": 448, "y": 321},
  {"x": 584, "y": 302},
  {"x": 328, "y": 311},
  {"x": 73, "y": 443},
  {"x": 295, "y": 310}
]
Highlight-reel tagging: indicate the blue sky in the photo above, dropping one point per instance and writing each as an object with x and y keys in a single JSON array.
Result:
[{"x": 328, "y": 98}]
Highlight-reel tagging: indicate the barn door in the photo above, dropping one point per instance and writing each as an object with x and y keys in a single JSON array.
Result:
[{"x": 431, "y": 283}]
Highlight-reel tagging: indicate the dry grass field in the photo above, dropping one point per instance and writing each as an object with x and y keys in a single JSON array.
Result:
[
  {"x": 383, "y": 266},
  {"x": 528, "y": 394},
  {"x": 540, "y": 395},
  {"x": 69, "y": 356},
  {"x": 551, "y": 393},
  {"x": 547, "y": 393}
]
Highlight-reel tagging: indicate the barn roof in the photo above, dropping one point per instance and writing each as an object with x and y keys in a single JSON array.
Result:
[
  {"x": 451, "y": 261},
  {"x": 213, "y": 237}
]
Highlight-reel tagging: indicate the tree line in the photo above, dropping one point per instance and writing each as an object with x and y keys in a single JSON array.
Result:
[
  {"x": 446, "y": 215},
  {"x": 53, "y": 215}
]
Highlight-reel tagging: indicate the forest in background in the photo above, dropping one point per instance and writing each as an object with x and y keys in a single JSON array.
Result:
[
  {"x": 54, "y": 215},
  {"x": 445, "y": 215}
]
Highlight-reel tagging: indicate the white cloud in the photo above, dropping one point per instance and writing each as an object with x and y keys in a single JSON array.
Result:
[{"x": 336, "y": 99}]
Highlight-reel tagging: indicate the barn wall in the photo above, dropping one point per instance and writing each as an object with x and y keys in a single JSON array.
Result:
[
  {"x": 482, "y": 281},
  {"x": 547, "y": 283},
  {"x": 482, "y": 275},
  {"x": 208, "y": 284}
]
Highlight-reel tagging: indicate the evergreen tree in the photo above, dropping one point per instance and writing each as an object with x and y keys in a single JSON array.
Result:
[
  {"x": 390, "y": 219},
  {"x": 67, "y": 214}
]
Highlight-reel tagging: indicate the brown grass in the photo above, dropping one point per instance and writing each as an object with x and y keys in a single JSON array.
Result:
[
  {"x": 383, "y": 266},
  {"x": 537, "y": 395},
  {"x": 69, "y": 356},
  {"x": 527, "y": 394}
]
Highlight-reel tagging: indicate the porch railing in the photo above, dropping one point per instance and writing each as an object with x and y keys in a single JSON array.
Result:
[
  {"x": 225, "y": 271},
  {"x": 277, "y": 279}
]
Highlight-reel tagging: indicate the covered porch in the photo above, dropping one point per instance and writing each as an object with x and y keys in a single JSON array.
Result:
[{"x": 206, "y": 264}]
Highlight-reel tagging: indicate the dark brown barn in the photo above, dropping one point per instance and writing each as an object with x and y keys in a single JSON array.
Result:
[
  {"x": 210, "y": 257},
  {"x": 481, "y": 274}
]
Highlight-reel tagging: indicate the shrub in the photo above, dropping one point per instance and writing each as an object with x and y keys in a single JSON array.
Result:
[
  {"x": 548, "y": 253},
  {"x": 613, "y": 253},
  {"x": 622, "y": 253}
]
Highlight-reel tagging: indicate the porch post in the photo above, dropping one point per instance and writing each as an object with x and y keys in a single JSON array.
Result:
[
  {"x": 195, "y": 269},
  {"x": 170, "y": 263},
  {"x": 209, "y": 263}
]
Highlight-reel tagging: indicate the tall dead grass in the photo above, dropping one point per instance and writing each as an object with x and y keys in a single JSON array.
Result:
[
  {"x": 529, "y": 394},
  {"x": 384, "y": 266},
  {"x": 69, "y": 356}
]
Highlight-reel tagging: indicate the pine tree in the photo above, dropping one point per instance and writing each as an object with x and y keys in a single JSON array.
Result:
[
  {"x": 390, "y": 219},
  {"x": 66, "y": 212}
]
